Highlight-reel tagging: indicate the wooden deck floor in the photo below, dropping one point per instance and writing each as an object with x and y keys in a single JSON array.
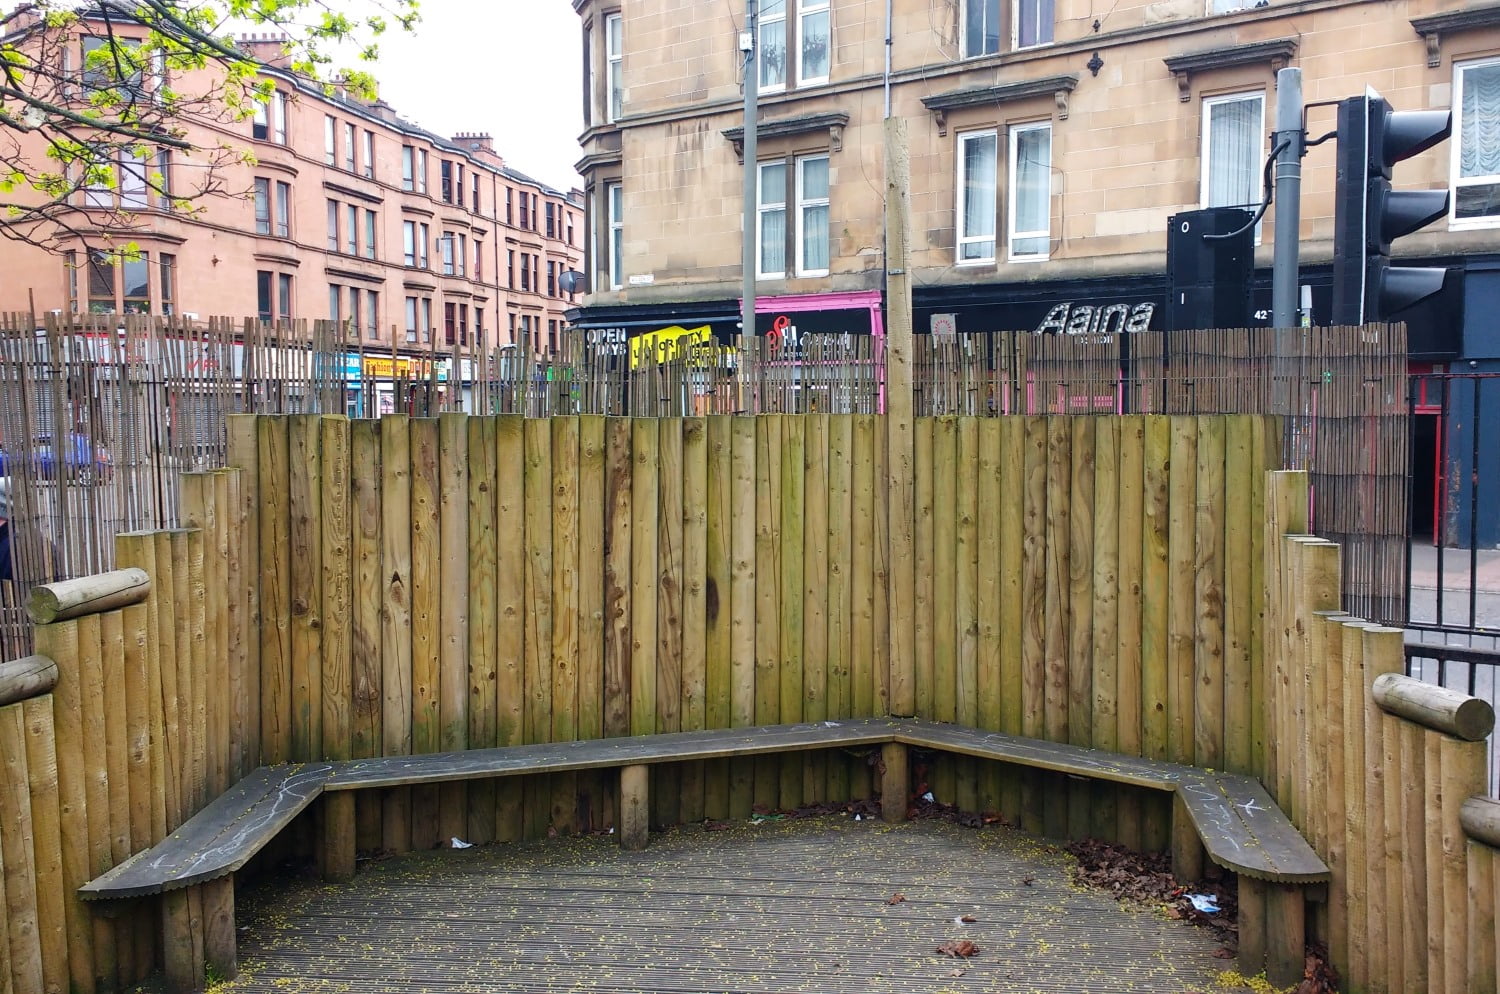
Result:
[{"x": 780, "y": 907}]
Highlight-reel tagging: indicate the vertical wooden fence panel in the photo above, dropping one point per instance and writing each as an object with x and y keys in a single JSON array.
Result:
[
  {"x": 815, "y": 578},
  {"x": 305, "y": 514},
  {"x": 666, "y": 792},
  {"x": 791, "y": 606},
  {"x": 1034, "y": 609},
  {"x": 966, "y": 604},
  {"x": 619, "y": 472},
  {"x": 367, "y": 694},
  {"x": 1237, "y": 487},
  {"x": 1208, "y": 574},
  {"x": 1013, "y": 518},
  {"x": 742, "y": 605},
  {"x": 244, "y": 454},
  {"x": 990, "y": 502},
  {"x": 426, "y": 620},
  {"x": 1354, "y": 880},
  {"x": 511, "y": 566},
  {"x": 1104, "y": 647},
  {"x": 768, "y": 599},
  {"x": 95, "y": 771},
  {"x": 337, "y": 578},
  {"x": 396, "y": 617},
  {"x": 694, "y": 684},
  {"x": 1181, "y": 589},
  {"x": 1080, "y": 626},
  {"x": 564, "y": 645},
  {"x": 479, "y": 675},
  {"x": 924, "y": 565},
  {"x": 1129, "y": 647},
  {"x": 537, "y": 715},
  {"x": 18, "y": 854},
  {"x": 56, "y": 745},
  {"x": 840, "y": 595},
  {"x": 718, "y": 569},
  {"x": 590, "y": 723},
  {"x": 645, "y": 548},
  {"x": 274, "y": 530}
]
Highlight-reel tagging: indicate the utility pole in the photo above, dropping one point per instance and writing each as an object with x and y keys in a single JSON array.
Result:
[
  {"x": 1289, "y": 138},
  {"x": 748, "y": 263}
]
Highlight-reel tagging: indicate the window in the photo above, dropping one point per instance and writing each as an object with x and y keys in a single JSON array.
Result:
[
  {"x": 264, "y": 306},
  {"x": 772, "y": 41},
  {"x": 133, "y": 189},
  {"x": 814, "y": 35},
  {"x": 976, "y": 197},
  {"x": 474, "y": 188},
  {"x": 445, "y": 252},
  {"x": 423, "y": 239},
  {"x": 369, "y": 154},
  {"x": 445, "y": 174},
  {"x": 135, "y": 274},
  {"x": 354, "y": 313},
  {"x": 525, "y": 272},
  {"x": 284, "y": 296},
  {"x": 509, "y": 214},
  {"x": 411, "y": 319},
  {"x": 409, "y": 242},
  {"x": 479, "y": 260},
  {"x": 525, "y": 199},
  {"x": 1476, "y": 145},
  {"x": 1032, "y": 24},
  {"x": 283, "y": 210},
  {"x": 462, "y": 254},
  {"x": 771, "y": 211},
  {"x": 351, "y": 230},
  {"x": 551, "y": 222},
  {"x": 812, "y": 216},
  {"x": 369, "y": 234},
  {"x": 463, "y": 324},
  {"x": 101, "y": 284},
  {"x": 614, "y": 196},
  {"x": 335, "y": 298},
  {"x": 349, "y": 146},
  {"x": 330, "y": 141},
  {"x": 426, "y": 319},
  {"x": 408, "y": 156},
  {"x": 1228, "y": 6},
  {"x": 162, "y": 179},
  {"x": 1030, "y": 191},
  {"x": 450, "y": 320},
  {"x": 116, "y": 67},
  {"x": 262, "y": 206},
  {"x": 421, "y": 170},
  {"x": 1232, "y": 150},
  {"x": 510, "y": 268},
  {"x": 551, "y": 278},
  {"x": 278, "y": 117},
  {"x": 614, "y": 47},
  {"x": 260, "y": 123},
  {"x": 98, "y": 183},
  {"x": 372, "y": 314},
  {"x": 166, "y": 277},
  {"x": 458, "y": 184},
  {"x": 981, "y": 27},
  {"x": 333, "y": 225}
]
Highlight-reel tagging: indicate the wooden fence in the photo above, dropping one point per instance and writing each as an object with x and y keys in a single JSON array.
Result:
[
  {"x": 1412, "y": 902},
  {"x": 131, "y": 742}
]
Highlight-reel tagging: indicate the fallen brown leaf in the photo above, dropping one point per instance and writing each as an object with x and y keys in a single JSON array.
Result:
[
  {"x": 957, "y": 973},
  {"x": 1223, "y": 953},
  {"x": 895, "y": 899},
  {"x": 967, "y": 919},
  {"x": 962, "y": 949}
]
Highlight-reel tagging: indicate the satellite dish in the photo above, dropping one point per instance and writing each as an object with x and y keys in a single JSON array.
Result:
[{"x": 571, "y": 280}]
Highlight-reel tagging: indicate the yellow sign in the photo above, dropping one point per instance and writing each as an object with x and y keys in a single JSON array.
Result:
[
  {"x": 668, "y": 344},
  {"x": 380, "y": 367}
]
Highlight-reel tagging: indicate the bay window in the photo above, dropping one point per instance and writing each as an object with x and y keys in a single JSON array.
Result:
[{"x": 614, "y": 47}]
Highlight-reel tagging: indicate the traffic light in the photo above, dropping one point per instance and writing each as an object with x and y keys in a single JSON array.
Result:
[{"x": 1369, "y": 215}]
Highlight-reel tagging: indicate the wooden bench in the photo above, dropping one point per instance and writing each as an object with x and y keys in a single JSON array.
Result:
[{"x": 1234, "y": 820}]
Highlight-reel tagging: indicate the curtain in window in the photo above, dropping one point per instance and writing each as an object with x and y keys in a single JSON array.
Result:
[
  {"x": 1234, "y": 128},
  {"x": 814, "y": 196},
  {"x": 979, "y": 198},
  {"x": 1032, "y": 208},
  {"x": 813, "y": 29},
  {"x": 1479, "y": 122},
  {"x": 772, "y": 40},
  {"x": 773, "y": 218},
  {"x": 1033, "y": 22}
]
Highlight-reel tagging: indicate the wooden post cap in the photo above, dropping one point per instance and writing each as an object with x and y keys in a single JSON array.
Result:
[
  {"x": 1480, "y": 817},
  {"x": 21, "y": 679},
  {"x": 88, "y": 595},
  {"x": 1438, "y": 708}
]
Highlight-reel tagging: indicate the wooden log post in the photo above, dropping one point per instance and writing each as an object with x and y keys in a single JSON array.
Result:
[
  {"x": 1252, "y": 925},
  {"x": 1188, "y": 854},
  {"x": 31, "y": 676},
  {"x": 1438, "y": 708},
  {"x": 1482, "y": 937},
  {"x": 898, "y": 422},
  {"x": 1480, "y": 818},
  {"x": 183, "y": 970},
  {"x": 1463, "y": 766},
  {"x": 219, "y": 952},
  {"x": 87, "y": 595},
  {"x": 1286, "y": 934},
  {"x": 894, "y": 782},
  {"x": 339, "y": 834},
  {"x": 635, "y": 807}
]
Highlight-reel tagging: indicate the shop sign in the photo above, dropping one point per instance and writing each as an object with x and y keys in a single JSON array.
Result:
[
  {"x": 670, "y": 344},
  {"x": 1102, "y": 320}
]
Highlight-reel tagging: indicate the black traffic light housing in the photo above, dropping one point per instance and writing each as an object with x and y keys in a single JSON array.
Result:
[{"x": 1369, "y": 215}]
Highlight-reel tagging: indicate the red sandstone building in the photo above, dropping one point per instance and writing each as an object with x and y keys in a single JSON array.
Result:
[{"x": 344, "y": 210}]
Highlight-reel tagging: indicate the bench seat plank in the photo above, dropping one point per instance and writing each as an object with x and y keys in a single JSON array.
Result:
[
  {"x": 221, "y": 838},
  {"x": 1244, "y": 831},
  {"x": 592, "y": 754},
  {"x": 1058, "y": 757}
]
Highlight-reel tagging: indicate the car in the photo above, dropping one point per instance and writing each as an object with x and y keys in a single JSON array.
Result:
[{"x": 83, "y": 461}]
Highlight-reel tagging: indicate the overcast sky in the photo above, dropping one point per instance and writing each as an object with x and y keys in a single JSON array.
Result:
[{"x": 508, "y": 67}]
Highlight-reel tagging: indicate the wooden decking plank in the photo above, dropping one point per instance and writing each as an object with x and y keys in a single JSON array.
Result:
[{"x": 219, "y": 839}]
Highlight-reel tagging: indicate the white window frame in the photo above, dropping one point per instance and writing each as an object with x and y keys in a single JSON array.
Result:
[
  {"x": 1015, "y": 23},
  {"x": 1204, "y": 160},
  {"x": 263, "y": 205},
  {"x": 278, "y": 117},
  {"x": 421, "y": 170},
  {"x": 1454, "y": 221},
  {"x": 409, "y": 243},
  {"x": 411, "y": 319},
  {"x": 614, "y": 203},
  {"x": 614, "y": 67},
  {"x": 961, "y": 236},
  {"x": 283, "y": 207},
  {"x": 984, "y": 9},
  {"x": 330, "y": 140},
  {"x": 135, "y": 190},
  {"x": 367, "y": 148},
  {"x": 1212, "y": 7},
  {"x": 805, "y": 10},
  {"x": 1013, "y": 196},
  {"x": 351, "y": 232},
  {"x": 805, "y": 203},
  {"x": 762, "y": 209},
  {"x": 786, "y": 40},
  {"x": 351, "y": 139}
]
